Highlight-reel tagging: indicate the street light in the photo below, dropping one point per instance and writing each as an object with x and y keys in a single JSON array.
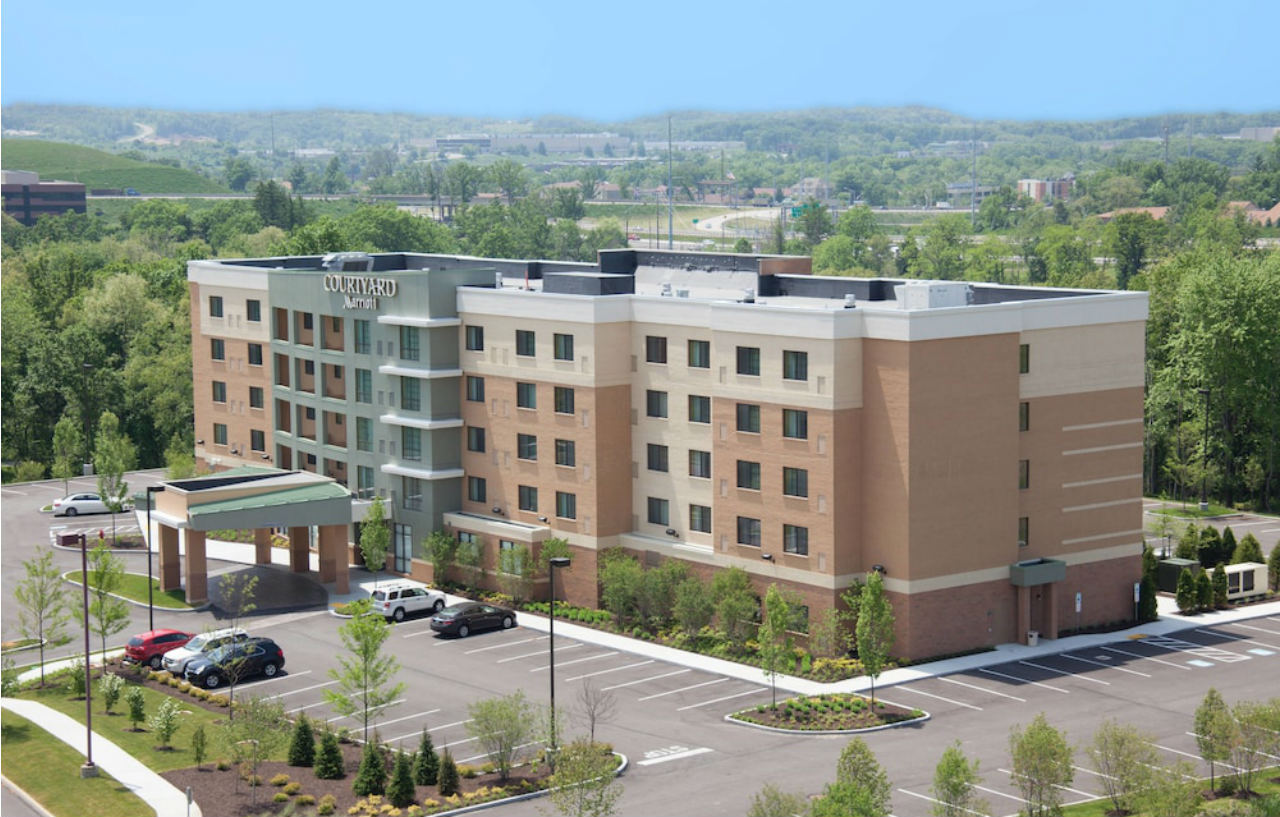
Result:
[
  {"x": 152, "y": 490},
  {"x": 88, "y": 769},
  {"x": 555, "y": 561},
  {"x": 1204, "y": 454}
]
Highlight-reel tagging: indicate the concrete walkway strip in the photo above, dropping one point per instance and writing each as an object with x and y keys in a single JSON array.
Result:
[{"x": 157, "y": 792}]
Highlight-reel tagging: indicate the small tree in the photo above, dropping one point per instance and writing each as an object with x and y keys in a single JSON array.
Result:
[
  {"x": 694, "y": 608},
  {"x": 597, "y": 705},
  {"x": 448, "y": 775},
  {"x": 113, "y": 456},
  {"x": 553, "y": 548},
  {"x": 164, "y": 721},
  {"x": 1249, "y": 550},
  {"x": 584, "y": 784},
  {"x": 68, "y": 448},
  {"x": 861, "y": 788},
  {"x": 442, "y": 550},
  {"x": 1171, "y": 791},
  {"x": 1215, "y": 730},
  {"x": 874, "y": 630},
  {"x": 238, "y": 592},
  {"x": 43, "y": 609},
  {"x": 110, "y": 615},
  {"x": 302, "y": 748},
  {"x": 774, "y": 638},
  {"x": 1188, "y": 543},
  {"x": 1257, "y": 739},
  {"x": 257, "y": 733},
  {"x": 199, "y": 744},
  {"x": 469, "y": 556},
  {"x": 137, "y": 704},
  {"x": 829, "y": 635},
  {"x": 1273, "y": 568},
  {"x": 515, "y": 571},
  {"x": 1041, "y": 760},
  {"x": 375, "y": 538},
  {"x": 426, "y": 764},
  {"x": 620, "y": 586},
  {"x": 1123, "y": 758},
  {"x": 501, "y": 726},
  {"x": 329, "y": 764},
  {"x": 772, "y": 801},
  {"x": 365, "y": 686},
  {"x": 1185, "y": 594},
  {"x": 1204, "y": 591},
  {"x": 735, "y": 602},
  {"x": 110, "y": 686},
  {"x": 1227, "y": 545},
  {"x": 400, "y": 790},
  {"x": 1219, "y": 584},
  {"x": 954, "y": 781}
]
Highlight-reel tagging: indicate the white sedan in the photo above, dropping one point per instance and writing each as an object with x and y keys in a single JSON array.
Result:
[{"x": 77, "y": 504}]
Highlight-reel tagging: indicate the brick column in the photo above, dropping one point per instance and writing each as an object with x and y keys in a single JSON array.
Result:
[
  {"x": 1051, "y": 610},
  {"x": 197, "y": 568},
  {"x": 333, "y": 551},
  {"x": 299, "y": 554},
  {"x": 1024, "y": 613},
  {"x": 262, "y": 546},
  {"x": 170, "y": 565}
]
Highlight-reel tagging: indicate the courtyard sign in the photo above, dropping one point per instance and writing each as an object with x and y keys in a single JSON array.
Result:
[{"x": 361, "y": 291}]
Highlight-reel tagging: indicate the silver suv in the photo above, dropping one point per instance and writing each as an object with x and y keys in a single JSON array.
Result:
[
  {"x": 397, "y": 599},
  {"x": 175, "y": 661}
]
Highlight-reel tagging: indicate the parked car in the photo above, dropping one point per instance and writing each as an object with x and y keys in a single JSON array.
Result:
[
  {"x": 243, "y": 659},
  {"x": 175, "y": 661},
  {"x": 77, "y": 504},
  {"x": 400, "y": 598},
  {"x": 466, "y": 618},
  {"x": 150, "y": 647}
]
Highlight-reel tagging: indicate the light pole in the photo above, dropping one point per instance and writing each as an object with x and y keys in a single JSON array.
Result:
[
  {"x": 152, "y": 490},
  {"x": 88, "y": 769},
  {"x": 555, "y": 561},
  {"x": 1204, "y": 454}
]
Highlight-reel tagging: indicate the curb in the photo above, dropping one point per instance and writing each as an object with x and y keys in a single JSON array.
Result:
[
  {"x": 37, "y": 646},
  {"x": 801, "y": 732},
  {"x": 22, "y": 795},
  {"x": 143, "y": 604},
  {"x": 519, "y": 798}
]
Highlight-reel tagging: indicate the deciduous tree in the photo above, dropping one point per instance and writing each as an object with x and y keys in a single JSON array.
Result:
[
  {"x": 113, "y": 455},
  {"x": 1041, "y": 760},
  {"x": 584, "y": 784},
  {"x": 774, "y": 638},
  {"x": 954, "y": 781},
  {"x": 43, "y": 607},
  {"x": 375, "y": 538},
  {"x": 501, "y": 726},
  {"x": 109, "y": 614},
  {"x": 365, "y": 678},
  {"x": 875, "y": 633},
  {"x": 68, "y": 449},
  {"x": 1123, "y": 758}
]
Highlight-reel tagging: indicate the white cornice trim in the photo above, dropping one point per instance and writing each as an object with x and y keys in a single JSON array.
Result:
[
  {"x": 422, "y": 323},
  {"x": 422, "y": 473},
  {"x": 423, "y": 374},
  {"x": 413, "y": 422}
]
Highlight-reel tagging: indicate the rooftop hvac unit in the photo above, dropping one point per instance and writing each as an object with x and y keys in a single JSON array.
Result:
[
  {"x": 497, "y": 280},
  {"x": 682, "y": 293},
  {"x": 850, "y": 301},
  {"x": 748, "y": 296},
  {"x": 347, "y": 262},
  {"x": 666, "y": 289}
]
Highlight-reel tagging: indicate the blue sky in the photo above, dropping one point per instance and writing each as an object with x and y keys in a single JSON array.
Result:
[{"x": 612, "y": 60}]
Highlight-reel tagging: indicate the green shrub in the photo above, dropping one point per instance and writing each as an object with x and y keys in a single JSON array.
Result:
[
  {"x": 448, "y": 775},
  {"x": 329, "y": 761},
  {"x": 302, "y": 749},
  {"x": 305, "y": 799},
  {"x": 223, "y": 764},
  {"x": 468, "y": 772},
  {"x": 292, "y": 788},
  {"x": 137, "y": 703},
  {"x": 400, "y": 791},
  {"x": 328, "y": 804},
  {"x": 281, "y": 779},
  {"x": 280, "y": 797},
  {"x": 426, "y": 764},
  {"x": 75, "y": 679},
  {"x": 372, "y": 776}
]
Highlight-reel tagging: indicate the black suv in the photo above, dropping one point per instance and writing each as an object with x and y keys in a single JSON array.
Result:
[{"x": 243, "y": 659}]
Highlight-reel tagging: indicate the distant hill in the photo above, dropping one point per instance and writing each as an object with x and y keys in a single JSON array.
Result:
[{"x": 99, "y": 169}]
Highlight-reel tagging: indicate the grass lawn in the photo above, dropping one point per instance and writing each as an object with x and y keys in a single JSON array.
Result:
[
  {"x": 1192, "y": 510},
  {"x": 100, "y": 169},
  {"x": 134, "y": 586},
  {"x": 1224, "y": 805},
  {"x": 49, "y": 770},
  {"x": 142, "y": 744}
]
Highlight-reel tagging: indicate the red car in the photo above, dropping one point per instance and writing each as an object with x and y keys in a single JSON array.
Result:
[{"x": 149, "y": 647}]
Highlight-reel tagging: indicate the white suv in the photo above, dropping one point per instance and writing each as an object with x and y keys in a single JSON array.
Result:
[
  {"x": 175, "y": 661},
  {"x": 397, "y": 599}
]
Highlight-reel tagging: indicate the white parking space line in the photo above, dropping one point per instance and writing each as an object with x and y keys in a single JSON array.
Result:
[
  {"x": 1092, "y": 772},
  {"x": 983, "y": 689},
  {"x": 303, "y": 708},
  {"x": 755, "y": 691},
  {"x": 296, "y": 691},
  {"x": 1146, "y": 658},
  {"x": 1193, "y": 757},
  {"x": 1065, "y": 672},
  {"x": 1104, "y": 664},
  {"x": 931, "y": 800},
  {"x": 1237, "y": 637},
  {"x": 1258, "y": 751},
  {"x": 352, "y": 715},
  {"x": 451, "y": 725},
  {"x": 1016, "y": 679},
  {"x": 536, "y": 654},
  {"x": 1089, "y": 795},
  {"x": 576, "y": 661},
  {"x": 999, "y": 793},
  {"x": 12, "y": 491},
  {"x": 1270, "y": 530},
  {"x": 939, "y": 697},
  {"x": 644, "y": 680},
  {"x": 481, "y": 757},
  {"x": 409, "y": 717},
  {"x": 683, "y": 689},
  {"x": 607, "y": 671},
  {"x": 505, "y": 645},
  {"x": 418, "y": 732},
  {"x": 1253, "y": 627},
  {"x": 427, "y": 631},
  {"x": 1198, "y": 650},
  {"x": 265, "y": 681}
]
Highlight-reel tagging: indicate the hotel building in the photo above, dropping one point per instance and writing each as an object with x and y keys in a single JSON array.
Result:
[{"x": 979, "y": 445}]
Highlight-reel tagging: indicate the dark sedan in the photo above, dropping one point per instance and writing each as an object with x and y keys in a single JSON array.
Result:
[
  {"x": 243, "y": 659},
  {"x": 468, "y": 617}
]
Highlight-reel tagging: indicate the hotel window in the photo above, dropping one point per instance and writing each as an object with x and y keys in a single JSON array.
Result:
[
  {"x": 475, "y": 338},
  {"x": 475, "y": 439},
  {"x": 563, "y": 346},
  {"x": 361, "y": 331},
  {"x": 566, "y": 505},
  {"x": 700, "y": 518},
  {"x": 699, "y": 408},
  {"x": 1024, "y": 474},
  {"x": 257, "y": 440},
  {"x": 1024, "y": 358},
  {"x": 253, "y": 310},
  {"x": 527, "y": 395},
  {"x": 700, "y": 464},
  {"x": 655, "y": 349},
  {"x": 364, "y": 386},
  {"x": 659, "y": 511},
  {"x": 309, "y": 412},
  {"x": 749, "y": 360},
  {"x": 749, "y": 475},
  {"x": 475, "y": 389},
  {"x": 255, "y": 397},
  {"x": 795, "y": 482},
  {"x": 1024, "y": 416},
  {"x": 795, "y": 539},
  {"x": 795, "y": 424},
  {"x": 410, "y": 394},
  {"x": 566, "y": 453},
  {"x": 525, "y": 343},
  {"x": 215, "y": 306},
  {"x": 219, "y": 391},
  {"x": 748, "y": 531},
  {"x": 219, "y": 434},
  {"x": 526, "y": 447},
  {"x": 410, "y": 443},
  {"x": 308, "y": 367},
  {"x": 306, "y": 320},
  {"x": 255, "y": 354},
  {"x": 795, "y": 365},
  {"x": 477, "y": 489},
  {"x": 364, "y": 434},
  {"x": 749, "y": 417},
  {"x": 657, "y": 457},
  {"x": 364, "y": 480},
  {"x": 409, "y": 338},
  {"x": 655, "y": 403},
  {"x": 528, "y": 498},
  {"x": 564, "y": 400},
  {"x": 411, "y": 489},
  {"x": 1024, "y": 531},
  {"x": 218, "y": 349},
  {"x": 700, "y": 354}
]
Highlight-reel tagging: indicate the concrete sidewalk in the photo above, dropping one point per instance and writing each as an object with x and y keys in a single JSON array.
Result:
[{"x": 158, "y": 793}]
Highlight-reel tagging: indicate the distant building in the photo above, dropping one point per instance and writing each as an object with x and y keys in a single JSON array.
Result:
[
  {"x": 1156, "y": 213},
  {"x": 1259, "y": 134},
  {"x": 26, "y": 198},
  {"x": 454, "y": 143},
  {"x": 958, "y": 193},
  {"x": 1046, "y": 190},
  {"x": 709, "y": 146}
]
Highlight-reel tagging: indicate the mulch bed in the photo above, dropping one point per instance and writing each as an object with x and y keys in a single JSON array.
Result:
[{"x": 827, "y": 713}]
